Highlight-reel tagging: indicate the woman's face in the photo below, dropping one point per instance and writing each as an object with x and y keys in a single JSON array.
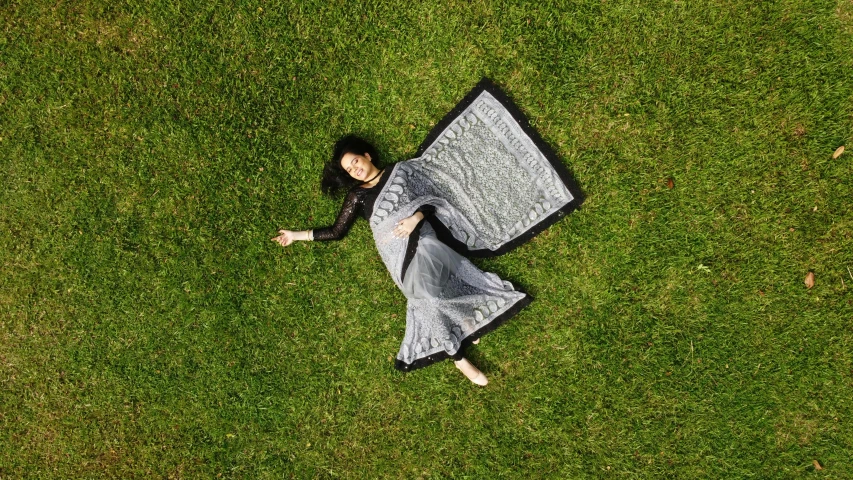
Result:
[{"x": 357, "y": 166}]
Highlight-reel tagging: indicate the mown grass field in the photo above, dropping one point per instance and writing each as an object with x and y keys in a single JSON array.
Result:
[{"x": 150, "y": 329}]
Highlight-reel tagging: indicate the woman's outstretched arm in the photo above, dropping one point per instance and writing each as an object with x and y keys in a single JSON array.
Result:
[
  {"x": 286, "y": 237},
  {"x": 345, "y": 219}
]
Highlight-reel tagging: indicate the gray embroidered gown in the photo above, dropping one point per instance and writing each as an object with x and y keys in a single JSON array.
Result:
[{"x": 485, "y": 183}]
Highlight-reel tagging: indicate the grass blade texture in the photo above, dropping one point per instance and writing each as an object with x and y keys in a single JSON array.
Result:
[{"x": 150, "y": 329}]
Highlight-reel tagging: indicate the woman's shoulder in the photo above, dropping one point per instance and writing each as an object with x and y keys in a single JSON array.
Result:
[
  {"x": 356, "y": 191},
  {"x": 358, "y": 194}
]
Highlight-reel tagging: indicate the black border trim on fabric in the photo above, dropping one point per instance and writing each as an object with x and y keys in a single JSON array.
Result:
[
  {"x": 487, "y": 85},
  {"x": 411, "y": 249},
  {"x": 437, "y": 357}
]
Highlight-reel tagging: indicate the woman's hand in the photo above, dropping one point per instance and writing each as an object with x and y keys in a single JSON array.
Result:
[
  {"x": 287, "y": 237},
  {"x": 407, "y": 225}
]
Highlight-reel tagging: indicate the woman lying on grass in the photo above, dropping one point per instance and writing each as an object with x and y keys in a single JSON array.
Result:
[{"x": 482, "y": 188}]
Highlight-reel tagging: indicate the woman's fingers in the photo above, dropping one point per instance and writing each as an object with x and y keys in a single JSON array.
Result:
[
  {"x": 284, "y": 239},
  {"x": 402, "y": 230}
]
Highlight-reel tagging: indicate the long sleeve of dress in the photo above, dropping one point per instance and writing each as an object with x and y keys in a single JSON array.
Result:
[{"x": 345, "y": 219}]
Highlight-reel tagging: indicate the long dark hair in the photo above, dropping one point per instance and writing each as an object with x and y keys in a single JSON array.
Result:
[{"x": 335, "y": 178}]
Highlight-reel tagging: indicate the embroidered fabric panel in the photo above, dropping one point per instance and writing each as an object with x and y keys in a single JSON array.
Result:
[{"x": 493, "y": 182}]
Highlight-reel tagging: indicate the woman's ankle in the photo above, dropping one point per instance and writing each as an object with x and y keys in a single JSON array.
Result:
[
  {"x": 471, "y": 372},
  {"x": 466, "y": 366}
]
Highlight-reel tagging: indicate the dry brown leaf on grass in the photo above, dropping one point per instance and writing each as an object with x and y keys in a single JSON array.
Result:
[
  {"x": 809, "y": 281},
  {"x": 817, "y": 465},
  {"x": 838, "y": 152},
  {"x": 670, "y": 183}
]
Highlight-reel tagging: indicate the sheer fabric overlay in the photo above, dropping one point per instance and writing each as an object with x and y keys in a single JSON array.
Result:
[{"x": 431, "y": 267}]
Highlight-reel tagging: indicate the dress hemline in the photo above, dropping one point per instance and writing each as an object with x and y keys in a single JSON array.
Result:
[{"x": 467, "y": 341}]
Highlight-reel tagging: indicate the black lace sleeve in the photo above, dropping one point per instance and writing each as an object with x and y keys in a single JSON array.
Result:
[{"x": 346, "y": 218}]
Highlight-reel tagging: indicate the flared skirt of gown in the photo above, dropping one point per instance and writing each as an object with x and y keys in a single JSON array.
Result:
[{"x": 440, "y": 320}]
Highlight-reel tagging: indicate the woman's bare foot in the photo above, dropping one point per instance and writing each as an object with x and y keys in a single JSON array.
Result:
[{"x": 470, "y": 371}]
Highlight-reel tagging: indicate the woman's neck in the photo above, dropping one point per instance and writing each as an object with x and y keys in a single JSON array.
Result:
[{"x": 374, "y": 180}]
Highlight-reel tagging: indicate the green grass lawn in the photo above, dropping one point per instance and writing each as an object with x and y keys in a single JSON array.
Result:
[{"x": 150, "y": 329}]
